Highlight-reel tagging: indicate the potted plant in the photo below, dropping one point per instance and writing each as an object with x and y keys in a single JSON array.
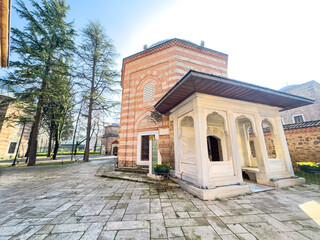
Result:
[
  {"x": 162, "y": 169},
  {"x": 309, "y": 166}
]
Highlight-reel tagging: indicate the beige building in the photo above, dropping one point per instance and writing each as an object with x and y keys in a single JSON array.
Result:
[
  {"x": 11, "y": 130},
  {"x": 309, "y": 90}
]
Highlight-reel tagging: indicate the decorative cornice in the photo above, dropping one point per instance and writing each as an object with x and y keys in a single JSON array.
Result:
[{"x": 175, "y": 42}]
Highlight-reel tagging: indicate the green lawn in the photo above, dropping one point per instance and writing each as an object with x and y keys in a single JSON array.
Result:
[
  {"x": 40, "y": 164},
  {"x": 310, "y": 177}
]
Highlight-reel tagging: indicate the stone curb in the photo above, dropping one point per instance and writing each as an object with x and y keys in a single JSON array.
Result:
[{"x": 107, "y": 172}]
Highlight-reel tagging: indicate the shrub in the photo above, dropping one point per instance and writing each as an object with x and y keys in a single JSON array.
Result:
[
  {"x": 158, "y": 166},
  {"x": 309, "y": 166}
]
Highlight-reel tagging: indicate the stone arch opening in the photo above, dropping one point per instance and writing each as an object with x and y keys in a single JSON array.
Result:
[
  {"x": 269, "y": 139},
  {"x": 247, "y": 142},
  {"x": 188, "y": 139},
  {"x": 114, "y": 148},
  {"x": 217, "y": 138}
]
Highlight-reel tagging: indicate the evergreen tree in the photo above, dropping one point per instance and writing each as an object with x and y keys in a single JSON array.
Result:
[
  {"x": 43, "y": 46},
  {"x": 57, "y": 112},
  {"x": 98, "y": 79}
]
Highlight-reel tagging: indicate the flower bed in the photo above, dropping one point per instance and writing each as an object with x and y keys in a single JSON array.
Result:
[{"x": 309, "y": 166}]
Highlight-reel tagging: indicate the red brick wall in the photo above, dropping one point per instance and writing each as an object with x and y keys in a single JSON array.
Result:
[{"x": 163, "y": 66}]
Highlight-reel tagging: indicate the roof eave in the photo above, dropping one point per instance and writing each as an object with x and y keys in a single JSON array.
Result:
[{"x": 192, "y": 73}]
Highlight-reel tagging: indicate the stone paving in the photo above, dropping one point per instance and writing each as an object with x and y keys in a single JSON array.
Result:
[{"x": 70, "y": 202}]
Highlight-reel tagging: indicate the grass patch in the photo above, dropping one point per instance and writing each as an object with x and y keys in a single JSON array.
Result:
[
  {"x": 218, "y": 199},
  {"x": 39, "y": 164},
  {"x": 56, "y": 163},
  {"x": 68, "y": 153},
  {"x": 113, "y": 197},
  {"x": 310, "y": 177}
]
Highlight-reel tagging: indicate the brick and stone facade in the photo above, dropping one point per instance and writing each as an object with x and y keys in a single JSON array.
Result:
[
  {"x": 110, "y": 138},
  {"x": 303, "y": 142},
  {"x": 311, "y": 112},
  {"x": 161, "y": 65}
]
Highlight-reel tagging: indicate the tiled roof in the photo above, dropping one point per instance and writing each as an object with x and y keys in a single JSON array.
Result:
[
  {"x": 301, "y": 125},
  {"x": 110, "y": 135}
]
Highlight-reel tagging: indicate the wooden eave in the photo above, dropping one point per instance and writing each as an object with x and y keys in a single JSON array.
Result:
[{"x": 209, "y": 84}]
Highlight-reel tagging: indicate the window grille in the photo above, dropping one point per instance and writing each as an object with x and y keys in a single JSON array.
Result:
[
  {"x": 298, "y": 119},
  {"x": 148, "y": 92}
]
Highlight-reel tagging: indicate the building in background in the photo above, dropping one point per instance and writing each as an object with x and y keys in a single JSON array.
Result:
[
  {"x": 307, "y": 113},
  {"x": 11, "y": 130},
  {"x": 110, "y": 140},
  {"x": 5, "y": 12}
]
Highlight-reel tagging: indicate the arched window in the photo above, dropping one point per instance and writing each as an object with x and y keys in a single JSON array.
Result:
[
  {"x": 268, "y": 133},
  {"x": 246, "y": 142},
  {"x": 148, "y": 92},
  {"x": 188, "y": 139},
  {"x": 215, "y": 130}
]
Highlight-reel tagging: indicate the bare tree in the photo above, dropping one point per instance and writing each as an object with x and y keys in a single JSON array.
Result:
[{"x": 98, "y": 78}]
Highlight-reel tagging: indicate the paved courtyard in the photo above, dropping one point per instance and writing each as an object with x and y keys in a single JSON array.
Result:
[{"x": 70, "y": 202}]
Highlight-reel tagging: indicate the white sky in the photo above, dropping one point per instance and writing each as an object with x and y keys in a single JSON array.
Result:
[{"x": 269, "y": 43}]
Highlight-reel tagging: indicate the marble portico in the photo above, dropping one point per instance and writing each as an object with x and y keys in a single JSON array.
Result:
[{"x": 218, "y": 140}]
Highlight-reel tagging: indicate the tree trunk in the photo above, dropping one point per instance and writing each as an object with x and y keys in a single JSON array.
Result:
[
  {"x": 29, "y": 143},
  {"x": 87, "y": 149},
  {"x": 56, "y": 148},
  {"x": 58, "y": 132},
  {"x": 50, "y": 142},
  {"x": 75, "y": 150},
  {"x": 37, "y": 120},
  {"x": 97, "y": 133},
  {"x": 33, "y": 146},
  {"x": 17, "y": 152},
  {"x": 75, "y": 132},
  {"x": 95, "y": 144}
]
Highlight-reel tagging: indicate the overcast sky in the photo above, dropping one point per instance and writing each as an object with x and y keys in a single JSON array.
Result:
[{"x": 269, "y": 43}]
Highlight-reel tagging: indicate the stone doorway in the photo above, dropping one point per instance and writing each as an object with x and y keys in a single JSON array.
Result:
[
  {"x": 246, "y": 139},
  {"x": 143, "y": 154},
  {"x": 214, "y": 148}
]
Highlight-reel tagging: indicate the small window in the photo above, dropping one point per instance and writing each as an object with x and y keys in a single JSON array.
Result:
[
  {"x": 148, "y": 92},
  {"x": 298, "y": 118},
  {"x": 12, "y": 147}
]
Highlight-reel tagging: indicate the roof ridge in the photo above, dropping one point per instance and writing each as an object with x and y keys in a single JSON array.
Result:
[{"x": 312, "y": 123}]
